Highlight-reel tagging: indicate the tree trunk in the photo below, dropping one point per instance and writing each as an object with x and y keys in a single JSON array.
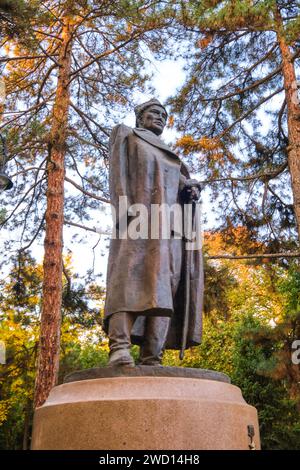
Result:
[
  {"x": 49, "y": 345},
  {"x": 293, "y": 113}
]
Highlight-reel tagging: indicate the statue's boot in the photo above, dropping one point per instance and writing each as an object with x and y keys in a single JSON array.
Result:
[
  {"x": 156, "y": 330},
  {"x": 121, "y": 357},
  {"x": 120, "y": 325}
]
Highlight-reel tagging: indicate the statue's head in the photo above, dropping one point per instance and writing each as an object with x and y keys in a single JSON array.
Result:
[{"x": 151, "y": 115}]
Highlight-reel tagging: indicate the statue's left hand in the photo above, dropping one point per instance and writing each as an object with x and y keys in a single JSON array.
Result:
[{"x": 192, "y": 190}]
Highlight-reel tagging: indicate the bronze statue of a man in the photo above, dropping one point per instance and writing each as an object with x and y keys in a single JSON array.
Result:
[{"x": 146, "y": 276}]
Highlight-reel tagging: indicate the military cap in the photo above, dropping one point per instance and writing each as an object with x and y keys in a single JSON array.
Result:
[{"x": 141, "y": 107}]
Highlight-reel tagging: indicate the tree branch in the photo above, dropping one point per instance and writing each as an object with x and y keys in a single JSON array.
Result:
[
  {"x": 35, "y": 235},
  {"x": 29, "y": 57},
  {"x": 22, "y": 200},
  {"x": 104, "y": 54},
  {"x": 243, "y": 116},
  {"x": 22, "y": 113},
  {"x": 68, "y": 279},
  {"x": 84, "y": 227},
  {"x": 241, "y": 91},
  {"x": 87, "y": 193},
  {"x": 84, "y": 115},
  {"x": 263, "y": 176},
  {"x": 258, "y": 256}
]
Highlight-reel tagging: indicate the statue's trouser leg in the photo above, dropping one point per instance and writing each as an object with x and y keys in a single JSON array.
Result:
[
  {"x": 156, "y": 328},
  {"x": 120, "y": 325},
  {"x": 151, "y": 350}
]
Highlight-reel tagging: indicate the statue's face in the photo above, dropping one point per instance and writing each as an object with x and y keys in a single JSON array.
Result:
[{"x": 154, "y": 119}]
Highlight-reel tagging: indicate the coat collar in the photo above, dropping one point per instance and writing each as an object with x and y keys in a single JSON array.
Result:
[{"x": 152, "y": 139}]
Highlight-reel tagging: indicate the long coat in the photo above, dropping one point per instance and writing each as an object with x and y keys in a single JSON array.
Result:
[{"x": 147, "y": 171}]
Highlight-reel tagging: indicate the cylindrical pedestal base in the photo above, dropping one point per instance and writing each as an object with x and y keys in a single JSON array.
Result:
[{"x": 145, "y": 412}]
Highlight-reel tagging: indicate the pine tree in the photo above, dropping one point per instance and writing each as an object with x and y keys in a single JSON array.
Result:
[
  {"x": 15, "y": 17},
  {"x": 239, "y": 111}
]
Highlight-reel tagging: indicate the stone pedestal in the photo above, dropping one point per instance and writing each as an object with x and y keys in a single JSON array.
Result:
[{"x": 156, "y": 408}]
